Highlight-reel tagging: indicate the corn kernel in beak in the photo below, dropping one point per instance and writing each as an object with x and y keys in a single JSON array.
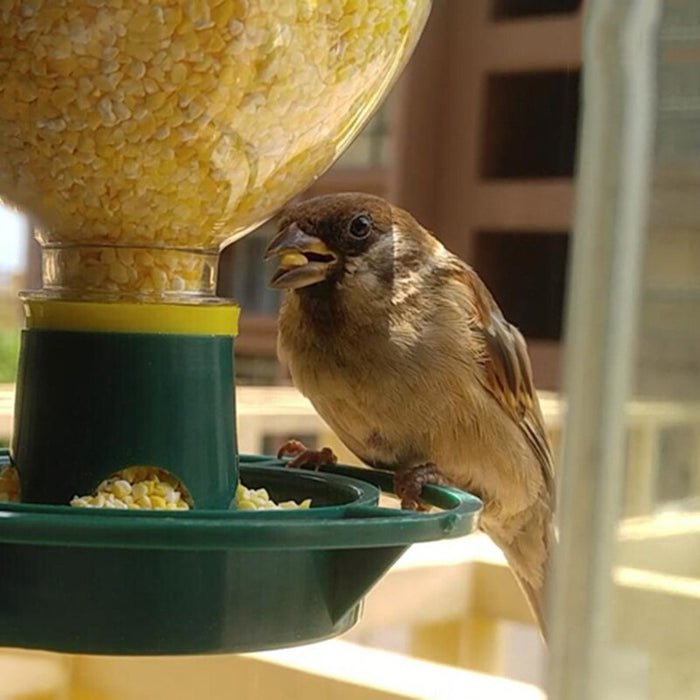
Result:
[{"x": 292, "y": 259}]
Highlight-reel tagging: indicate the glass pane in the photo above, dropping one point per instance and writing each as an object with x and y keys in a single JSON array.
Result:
[
  {"x": 371, "y": 147},
  {"x": 657, "y": 572},
  {"x": 245, "y": 278}
]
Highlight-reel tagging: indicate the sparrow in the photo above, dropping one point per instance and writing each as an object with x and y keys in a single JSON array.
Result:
[{"x": 402, "y": 350}]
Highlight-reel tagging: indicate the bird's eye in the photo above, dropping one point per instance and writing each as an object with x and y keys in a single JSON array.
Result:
[{"x": 360, "y": 226}]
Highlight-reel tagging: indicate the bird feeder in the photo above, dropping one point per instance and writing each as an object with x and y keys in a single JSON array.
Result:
[{"x": 143, "y": 138}]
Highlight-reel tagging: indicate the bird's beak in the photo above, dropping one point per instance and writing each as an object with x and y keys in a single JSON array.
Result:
[{"x": 304, "y": 259}]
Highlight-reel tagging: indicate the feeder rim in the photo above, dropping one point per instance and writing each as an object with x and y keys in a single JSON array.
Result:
[{"x": 340, "y": 527}]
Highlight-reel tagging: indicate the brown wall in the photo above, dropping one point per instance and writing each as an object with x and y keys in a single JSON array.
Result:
[{"x": 483, "y": 135}]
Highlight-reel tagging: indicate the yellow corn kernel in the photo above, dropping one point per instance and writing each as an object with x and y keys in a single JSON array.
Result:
[
  {"x": 178, "y": 74},
  {"x": 293, "y": 259},
  {"x": 62, "y": 97},
  {"x": 222, "y": 13},
  {"x": 155, "y": 101},
  {"x": 121, "y": 488},
  {"x": 139, "y": 490},
  {"x": 137, "y": 69},
  {"x": 9, "y": 483}
]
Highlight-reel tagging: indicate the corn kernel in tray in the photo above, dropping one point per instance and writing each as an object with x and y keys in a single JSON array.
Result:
[{"x": 9, "y": 484}]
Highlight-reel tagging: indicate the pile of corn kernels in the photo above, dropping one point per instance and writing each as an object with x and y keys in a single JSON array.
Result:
[
  {"x": 147, "y": 488},
  {"x": 259, "y": 499},
  {"x": 180, "y": 124},
  {"x": 137, "y": 487},
  {"x": 120, "y": 271}
]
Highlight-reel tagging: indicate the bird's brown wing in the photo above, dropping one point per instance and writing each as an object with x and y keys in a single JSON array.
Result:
[{"x": 507, "y": 372}]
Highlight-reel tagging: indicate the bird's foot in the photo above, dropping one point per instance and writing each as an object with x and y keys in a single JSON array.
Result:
[
  {"x": 408, "y": 484},
  {"x": 303, "y": 458}
]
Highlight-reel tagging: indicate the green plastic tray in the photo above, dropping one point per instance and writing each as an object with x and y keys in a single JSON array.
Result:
[{"x": 207, "y": 581}]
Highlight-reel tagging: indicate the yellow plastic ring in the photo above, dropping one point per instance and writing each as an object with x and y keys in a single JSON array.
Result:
[{"x": 124, "y": 317}]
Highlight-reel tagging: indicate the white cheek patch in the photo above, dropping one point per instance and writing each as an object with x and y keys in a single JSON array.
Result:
[
  {"x": 361, "y": 271},
  {"x": 417, "y": 268},
  {"x": 395, "y": 252},
  {"x": 405, "y": 287}
]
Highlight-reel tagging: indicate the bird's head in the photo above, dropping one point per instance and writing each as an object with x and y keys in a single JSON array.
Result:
[{"x": 325, "y": 238}]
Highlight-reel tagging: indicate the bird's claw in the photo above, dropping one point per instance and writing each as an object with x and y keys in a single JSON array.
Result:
[
  {"x": 303, "y": 458},
  {"x": 408, "y": 484}
]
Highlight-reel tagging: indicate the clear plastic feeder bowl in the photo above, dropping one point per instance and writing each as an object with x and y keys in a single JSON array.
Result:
[{"x": 143, "y": 137}]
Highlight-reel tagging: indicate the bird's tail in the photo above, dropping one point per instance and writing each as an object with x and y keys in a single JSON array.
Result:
[
  {"x": 535, "y": 597},
  {"x": 527, "y": 553}
]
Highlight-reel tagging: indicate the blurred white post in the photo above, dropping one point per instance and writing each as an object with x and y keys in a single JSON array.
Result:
[{"x": 615, "y": 148}]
